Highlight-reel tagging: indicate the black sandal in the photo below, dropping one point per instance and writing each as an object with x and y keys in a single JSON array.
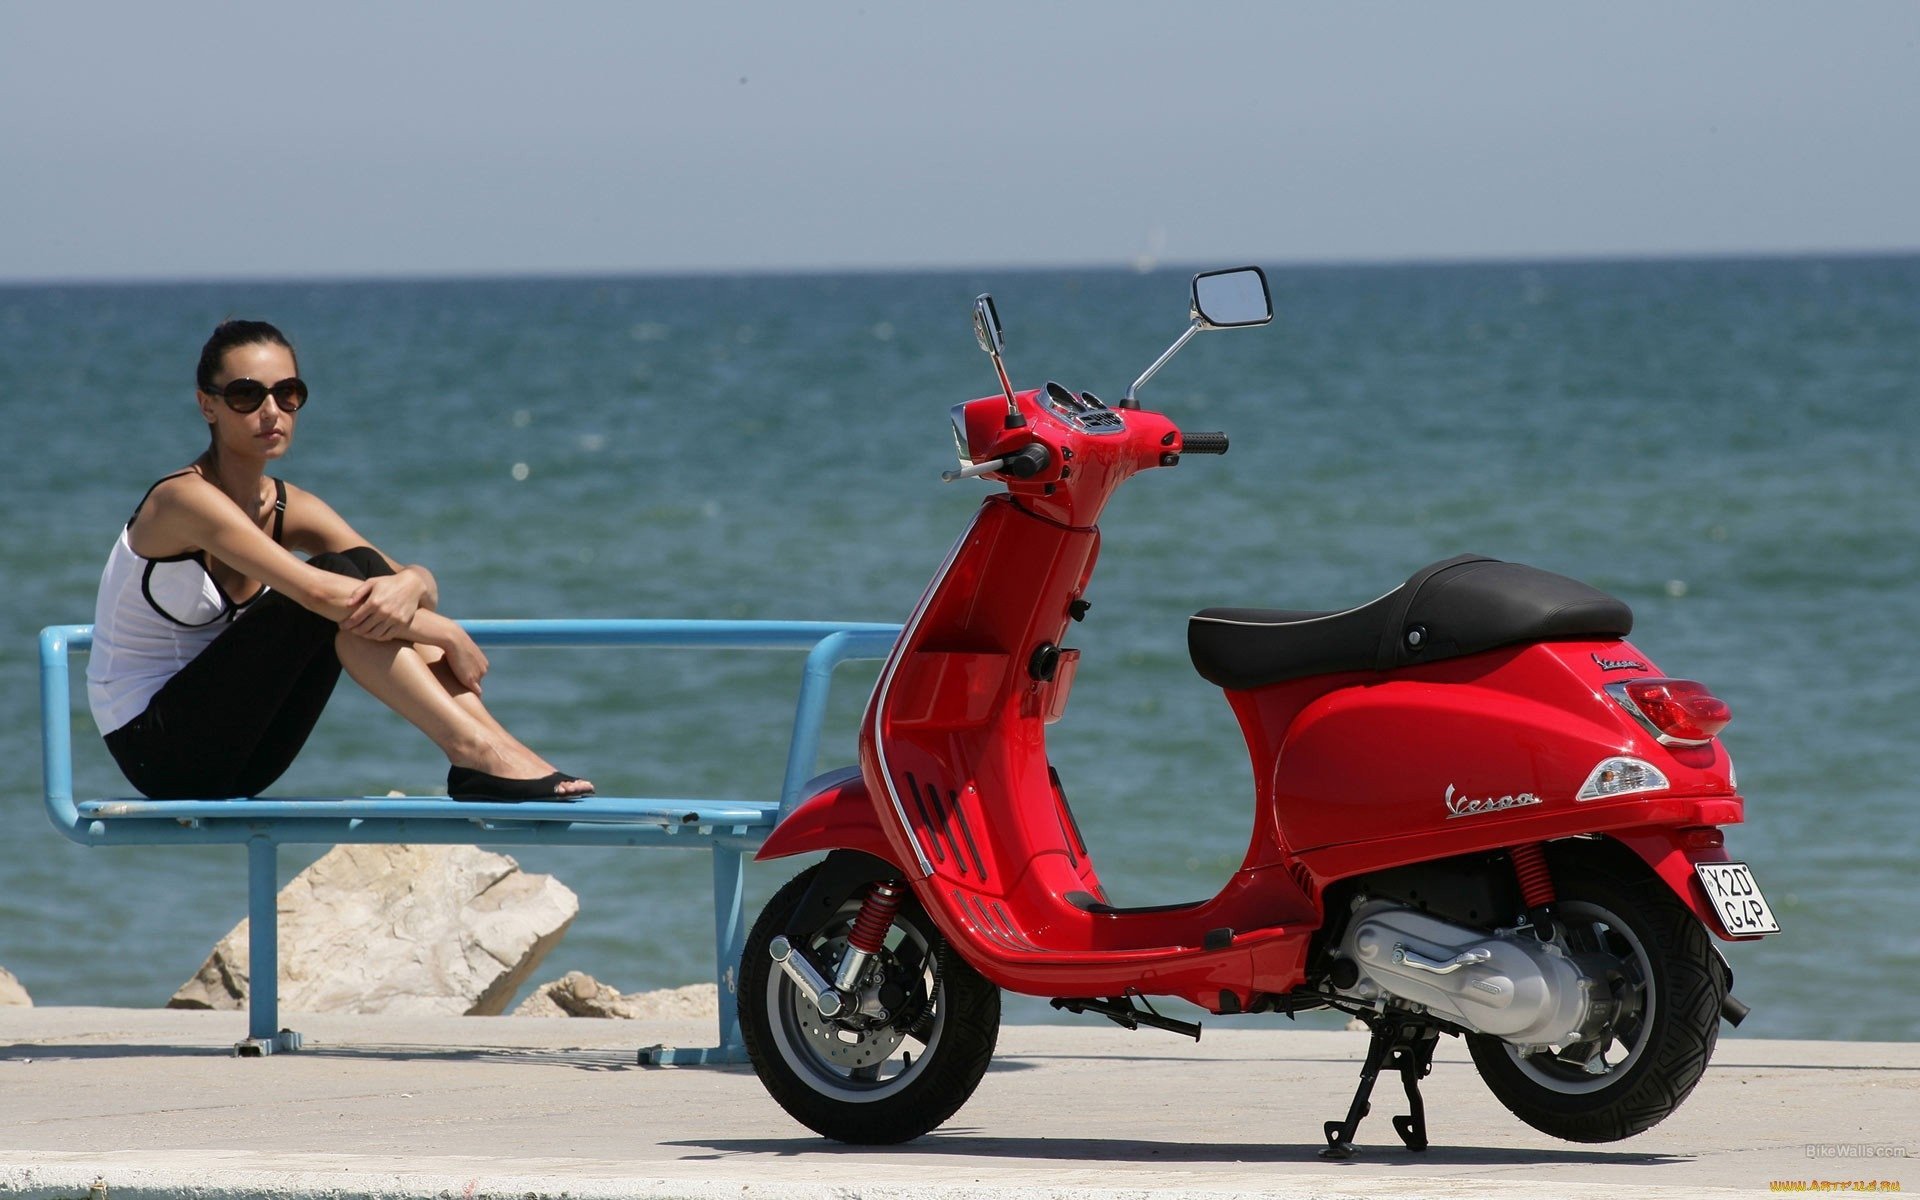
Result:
[{"x": 465, "y": 783}]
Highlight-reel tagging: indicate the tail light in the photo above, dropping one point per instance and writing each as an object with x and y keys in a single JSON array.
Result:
[{"x": 1680, "y": 712}]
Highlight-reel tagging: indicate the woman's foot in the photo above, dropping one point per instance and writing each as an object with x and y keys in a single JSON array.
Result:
[
  {"x": 464, "y": 783},
  {"x": 514, "y": 773}
]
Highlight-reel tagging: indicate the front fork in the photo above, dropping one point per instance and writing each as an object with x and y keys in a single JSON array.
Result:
[{"x": 840, "y": 996}]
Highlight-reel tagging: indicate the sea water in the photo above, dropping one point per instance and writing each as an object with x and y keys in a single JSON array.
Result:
[{"x": 1729, "y": 446}]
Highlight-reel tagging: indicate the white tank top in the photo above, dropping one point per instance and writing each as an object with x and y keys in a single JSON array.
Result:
[{"x": 152, "y": 617}]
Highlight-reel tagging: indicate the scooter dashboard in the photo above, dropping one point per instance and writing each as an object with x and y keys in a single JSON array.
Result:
[{"x": 1082, "y": 410}]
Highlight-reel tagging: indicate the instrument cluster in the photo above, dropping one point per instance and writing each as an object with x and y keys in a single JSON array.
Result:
[{"x": 1081, "y": 410}]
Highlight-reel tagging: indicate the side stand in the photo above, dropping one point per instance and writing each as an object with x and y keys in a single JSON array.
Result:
[{"x": 1405, "y": 1046}]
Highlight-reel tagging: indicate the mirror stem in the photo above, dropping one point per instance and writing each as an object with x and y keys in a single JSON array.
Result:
[
  {"x": 1128, "y": 400},
  {"x": 1014, "y": 419}
]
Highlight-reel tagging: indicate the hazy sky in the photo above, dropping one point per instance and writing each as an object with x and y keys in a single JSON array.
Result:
[{"x": 191, "y": 140}]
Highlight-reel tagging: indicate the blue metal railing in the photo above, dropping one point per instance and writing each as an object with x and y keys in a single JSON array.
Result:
[{"x": 733, "y": 829}]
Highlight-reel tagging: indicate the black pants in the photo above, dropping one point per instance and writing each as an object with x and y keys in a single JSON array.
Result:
[{"x": 231, "y": 721}]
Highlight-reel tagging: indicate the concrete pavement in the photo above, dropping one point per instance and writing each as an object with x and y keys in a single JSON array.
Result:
[{"x": 130, "y": 1104}]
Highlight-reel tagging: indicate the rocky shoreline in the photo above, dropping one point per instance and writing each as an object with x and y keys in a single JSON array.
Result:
[{"x": 418, "y": 931}]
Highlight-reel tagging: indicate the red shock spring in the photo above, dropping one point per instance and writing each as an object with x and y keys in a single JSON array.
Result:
[
  {"x": 876, "y": 916},
  {"x": 1530, "y": 866}
]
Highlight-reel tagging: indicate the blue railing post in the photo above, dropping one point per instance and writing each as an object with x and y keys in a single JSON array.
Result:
[
  {"x": 809, "y": 716},
  {"x": 810, "y": 712},
  {"x": 730, "y": 942},
  {"x": 56, "y": 719},
  {"x": 263, "y": 952}
]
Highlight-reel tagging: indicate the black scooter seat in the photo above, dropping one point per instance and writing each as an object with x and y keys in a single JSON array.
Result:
[{"x": 1459, "y": 606}]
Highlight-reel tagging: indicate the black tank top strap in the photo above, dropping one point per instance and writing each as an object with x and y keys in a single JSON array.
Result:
[
  {"x": 149, "y": 493},
  {"x": 279, "y": 507}
]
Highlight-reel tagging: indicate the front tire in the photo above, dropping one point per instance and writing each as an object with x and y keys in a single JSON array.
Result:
[
  {"x": 1669, "y": 987},
  {"x": 858, "y": 1078}
]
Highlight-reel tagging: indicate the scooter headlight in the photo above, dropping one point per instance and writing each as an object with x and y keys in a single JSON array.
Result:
[{"x": 1621, "y": 777}]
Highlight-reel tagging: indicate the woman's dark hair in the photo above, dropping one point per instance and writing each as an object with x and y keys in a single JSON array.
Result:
[{"x": 235, "y": 333}]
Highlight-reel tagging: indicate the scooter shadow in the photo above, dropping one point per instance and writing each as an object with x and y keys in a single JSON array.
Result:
[{"x": 1132, "y": 1150}]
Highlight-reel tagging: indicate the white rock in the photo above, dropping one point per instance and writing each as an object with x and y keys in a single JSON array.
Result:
[
  {"x": 577, "y": 994},
  {"x": 444, "y": 930},
  {"x": 12, "y": 994}
]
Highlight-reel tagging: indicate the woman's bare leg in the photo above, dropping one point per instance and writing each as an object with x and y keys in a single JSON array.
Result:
[
  {"x": 396, "y": 674},
  {"x": 469, "y": 700}
]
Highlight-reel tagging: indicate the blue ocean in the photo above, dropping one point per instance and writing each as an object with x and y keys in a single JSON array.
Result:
[{"x": 1732, "y": 447}]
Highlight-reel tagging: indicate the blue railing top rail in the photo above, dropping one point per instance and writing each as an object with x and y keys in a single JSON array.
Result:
[{"x": 827, "y": 643}]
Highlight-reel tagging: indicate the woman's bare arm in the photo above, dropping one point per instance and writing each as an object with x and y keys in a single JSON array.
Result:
[
  {"x": 189, "y": 513},
  {"x": 382, "y": 607}
]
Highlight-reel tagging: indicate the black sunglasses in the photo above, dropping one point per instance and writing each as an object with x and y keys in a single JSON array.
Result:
[{"x": 245, "y": 395}]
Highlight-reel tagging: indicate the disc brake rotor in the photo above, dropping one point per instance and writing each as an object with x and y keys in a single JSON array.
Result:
[
  {"x": 849, "y": 1044},
  {"x": 847, "y": 1047}
]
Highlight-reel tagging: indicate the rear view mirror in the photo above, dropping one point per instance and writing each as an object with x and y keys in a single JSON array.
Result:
[
  {"x": 1232, "y": 299},
  {"x": 986, "y": 326},
  {"x": 986, "y": 331}
]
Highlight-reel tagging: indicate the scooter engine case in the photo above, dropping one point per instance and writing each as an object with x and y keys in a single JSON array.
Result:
[{"x": 1511, "y": 986}]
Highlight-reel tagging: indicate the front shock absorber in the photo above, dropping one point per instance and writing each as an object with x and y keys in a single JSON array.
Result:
[
  {"x": 869, "y": 933},
  {"x": 1530, "y": 868}
]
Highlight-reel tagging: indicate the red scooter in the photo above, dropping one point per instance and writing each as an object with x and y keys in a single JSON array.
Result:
[{"x": 1480, "y": 812}]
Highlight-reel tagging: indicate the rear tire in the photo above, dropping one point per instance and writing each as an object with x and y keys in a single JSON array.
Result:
[
  {"x": 859, "y": 1080},
  {"x": 1671, "y": 986}
]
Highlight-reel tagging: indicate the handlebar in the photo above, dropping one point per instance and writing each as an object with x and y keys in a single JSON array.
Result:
[
  {"x": 1203, "y": 443},
  {"x": 970, "y": 471},
  {"x": 1024, "y": 463}
]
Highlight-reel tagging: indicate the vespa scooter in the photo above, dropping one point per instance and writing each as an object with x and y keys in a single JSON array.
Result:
[{"x": 1479, "y": 812}]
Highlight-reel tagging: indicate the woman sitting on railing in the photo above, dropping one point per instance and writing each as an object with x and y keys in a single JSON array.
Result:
[{"x": 215, "y": 647}]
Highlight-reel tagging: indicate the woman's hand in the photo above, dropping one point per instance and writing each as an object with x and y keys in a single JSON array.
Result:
[
  {"x": 383, "y": 607},
  {"x": 466, "y": 660}
]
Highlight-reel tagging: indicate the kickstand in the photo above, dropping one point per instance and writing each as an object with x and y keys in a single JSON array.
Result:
[{"x": 1406, "y": 1046}]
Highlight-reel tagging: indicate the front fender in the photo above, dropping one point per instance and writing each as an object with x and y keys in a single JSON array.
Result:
[{"x": 836, "y": 814}]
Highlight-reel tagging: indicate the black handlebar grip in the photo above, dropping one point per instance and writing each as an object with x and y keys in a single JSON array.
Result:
[
  {"x": 1025, "y": 462},
  {"x": 1203, "y": 443}
]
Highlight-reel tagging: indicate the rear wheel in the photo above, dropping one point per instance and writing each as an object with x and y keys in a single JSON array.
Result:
[
  {"x": 909, "y": 1052},
  {"x": 1657, "y": 961}
]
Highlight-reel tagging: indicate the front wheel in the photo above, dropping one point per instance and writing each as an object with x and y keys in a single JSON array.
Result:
[
  {"x": 1667, "y": 987},
  {"x": 907, "y": 1054}
]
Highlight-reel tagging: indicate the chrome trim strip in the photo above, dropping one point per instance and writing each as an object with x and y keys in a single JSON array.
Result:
[
  {"x": 885, "y": 687},
  {"x": 1014, "y": 931}
]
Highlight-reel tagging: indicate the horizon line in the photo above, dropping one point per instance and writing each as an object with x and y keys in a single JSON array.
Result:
[{"x": 1138, "y": 267}]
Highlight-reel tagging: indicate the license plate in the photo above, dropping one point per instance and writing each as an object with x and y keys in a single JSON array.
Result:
[{"x": 1736, "y": 898}]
